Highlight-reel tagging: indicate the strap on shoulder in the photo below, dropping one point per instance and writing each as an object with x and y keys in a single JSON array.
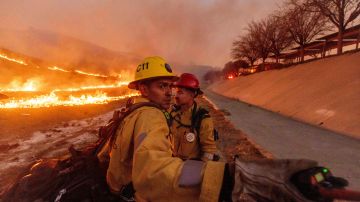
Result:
[
  {"x": 111, "y": 128},
  {"x": 197, "y": 117}
]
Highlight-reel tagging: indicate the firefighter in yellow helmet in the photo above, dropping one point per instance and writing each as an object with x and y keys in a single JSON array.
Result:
[
  {"x": 142, "y": 154},
  {"x": 192, "y": 126}
]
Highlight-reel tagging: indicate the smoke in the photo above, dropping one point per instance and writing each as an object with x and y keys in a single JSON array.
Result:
[{"x": 184, "y": 32}]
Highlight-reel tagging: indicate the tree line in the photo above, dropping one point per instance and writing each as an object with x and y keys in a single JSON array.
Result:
[{"x": 295, "y": 23}]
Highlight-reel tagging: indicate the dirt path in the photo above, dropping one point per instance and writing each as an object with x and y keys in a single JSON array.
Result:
[{"x": 287, "y": 138}]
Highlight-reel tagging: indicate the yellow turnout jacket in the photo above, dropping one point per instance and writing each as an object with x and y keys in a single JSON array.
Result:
[
  {"x": 187, "y": 143},
  {"x": 143, "y": 154}
]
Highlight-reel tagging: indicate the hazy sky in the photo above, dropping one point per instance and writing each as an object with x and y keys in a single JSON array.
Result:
[{"x": 187, "y": 31}]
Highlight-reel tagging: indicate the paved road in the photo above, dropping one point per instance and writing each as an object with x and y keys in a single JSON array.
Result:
[{"x": 287, "y": 138}]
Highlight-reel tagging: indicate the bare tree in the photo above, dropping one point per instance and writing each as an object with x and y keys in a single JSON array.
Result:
[
  {"x": 279, "y": 36},
  {"x": 259, "y": 31},
  {"x": 244, "y": 48},
  {"x": 339, "y": 12},
  {"x": 303, "y": 25}
]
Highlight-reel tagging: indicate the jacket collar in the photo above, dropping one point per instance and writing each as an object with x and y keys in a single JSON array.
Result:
[
  {"x": 190, "y": 110},
  {"x": 139, "y": 99}
]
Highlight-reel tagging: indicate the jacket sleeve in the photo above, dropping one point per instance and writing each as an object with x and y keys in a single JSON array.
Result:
[
  {"x": 207, "y": 142},
  {"x": 158, "y": 176}
]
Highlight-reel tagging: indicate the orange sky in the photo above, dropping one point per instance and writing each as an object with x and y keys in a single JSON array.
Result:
[{"x": 185, "y": 31}]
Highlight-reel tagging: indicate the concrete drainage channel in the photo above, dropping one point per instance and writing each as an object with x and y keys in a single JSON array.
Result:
[
  {"x": 232, "y": 141},
  {"x": 290, "y": 139}
]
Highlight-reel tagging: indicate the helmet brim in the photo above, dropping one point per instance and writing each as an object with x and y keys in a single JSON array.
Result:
[
  {"x": 133, "y": 84},
  {"x": 198, "y": 90}
]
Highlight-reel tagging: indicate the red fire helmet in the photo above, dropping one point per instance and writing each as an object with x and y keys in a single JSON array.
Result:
[{"x": 189, "y": 81}]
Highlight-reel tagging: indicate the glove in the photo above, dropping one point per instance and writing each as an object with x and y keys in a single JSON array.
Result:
[
  {"x": 310, "y": 181},
  {"x": 268, "y": 179}
]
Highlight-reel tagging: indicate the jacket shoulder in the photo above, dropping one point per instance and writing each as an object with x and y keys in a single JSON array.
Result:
[{"x": 148, "y": 112}]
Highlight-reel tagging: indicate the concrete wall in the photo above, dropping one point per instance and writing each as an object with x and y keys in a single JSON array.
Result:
[{"x": 324, "y": 92}]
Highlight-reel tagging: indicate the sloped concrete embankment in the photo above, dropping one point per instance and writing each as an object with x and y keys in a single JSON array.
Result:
[{"x": 325, "y": 92}]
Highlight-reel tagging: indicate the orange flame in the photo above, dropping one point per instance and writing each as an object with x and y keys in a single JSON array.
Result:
[
  {"x": 119, "y": 84},
  {"x": 12, "y": 59},
  {"x": 34, "y": 85},
  {"x": 29, "y": 85},
  {"x": 55, "y": 68},
  {"x": 90, "y": 74},
  {"x": 52, "y": 100}
]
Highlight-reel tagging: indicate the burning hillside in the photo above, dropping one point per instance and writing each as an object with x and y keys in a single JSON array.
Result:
[
  {"x": 27, "y": 82},
  {"x": 65, "y": 51}
]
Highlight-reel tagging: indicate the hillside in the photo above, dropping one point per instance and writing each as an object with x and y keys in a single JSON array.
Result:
[
  {"x": 65, "y": 50},
  {"x": 324, "y": 92},
  {"x": 21, "y": 72}
]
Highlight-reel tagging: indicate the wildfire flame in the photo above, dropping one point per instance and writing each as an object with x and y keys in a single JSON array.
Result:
[
  {"x": 52, "y": 100},
  {"x": 90, "y": 74},
  {"x": 51, "y": 97},
  {"x": 29, "y": 85},
  {"x": 12, "y": 59},
  {"x": 33, "y": 85},
  {"x": 55, "y": 68},
  {"x": 119, "y": 84}
]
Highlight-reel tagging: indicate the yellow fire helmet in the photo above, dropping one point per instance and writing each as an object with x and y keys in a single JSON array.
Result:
[{"x": 151, "y": 67}]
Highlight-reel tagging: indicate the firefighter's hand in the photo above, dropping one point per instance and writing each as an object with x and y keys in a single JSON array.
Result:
[{"x": 310, "y": 181}]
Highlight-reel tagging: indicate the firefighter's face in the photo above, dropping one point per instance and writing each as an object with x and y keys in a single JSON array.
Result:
[
  {"x": 158, "y": 91},
  {"x": 184, "y": 96}
]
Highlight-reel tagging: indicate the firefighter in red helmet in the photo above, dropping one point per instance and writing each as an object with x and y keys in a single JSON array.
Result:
[{"x": 192, "y": 126}]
